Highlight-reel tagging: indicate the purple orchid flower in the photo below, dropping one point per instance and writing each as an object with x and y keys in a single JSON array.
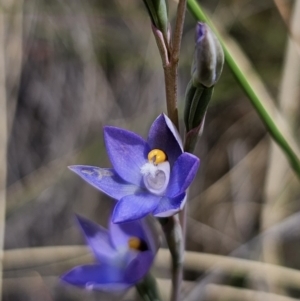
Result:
[
  {"x": 124, "y": 254},
  {"x": 147, "y": 176}
]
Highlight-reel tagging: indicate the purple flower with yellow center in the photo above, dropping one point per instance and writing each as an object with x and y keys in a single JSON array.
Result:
[
  {"x": 124, "y": 255},
  {"x": 147, "y": 176}
]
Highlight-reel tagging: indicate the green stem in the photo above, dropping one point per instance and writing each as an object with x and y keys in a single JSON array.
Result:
[
  {"x": 148, "y": 290},
  {"x": 271, "y": 126},
  {"x": 173, "y": 233}
]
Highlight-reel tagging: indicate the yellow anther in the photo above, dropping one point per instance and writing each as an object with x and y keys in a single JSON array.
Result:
[
  {"x": 157, "y": 156},
  {"x": 134, "y": 243}
]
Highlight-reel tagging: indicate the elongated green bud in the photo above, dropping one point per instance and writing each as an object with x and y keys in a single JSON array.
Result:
[
  {"x": 206, "y": 70},
  {"x": 196, "y": 102},
  {"x": 208, "y": 58},
  {"x": 158, "y": 12}
]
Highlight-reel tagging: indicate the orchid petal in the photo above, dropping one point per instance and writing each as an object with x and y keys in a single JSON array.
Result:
[
  {"x": 121, "y": 233},
  {"x": 150, "y": 228},
  {"x": 127, "y": 153},
  {"x": 164, "y": 136},
  {"x": 170, "y": 206},
  {"x": 96, "y": 277},
  {"x": 133, "y": 207},
  {"x": 182, "y": 174},
  {"x": 106, "y": 180},
  {"x": 174, "y": 131},
  {"x": 139, "y": 267},
  {"x": 145, "y": 229},
  {"x": 98, "y": 240}
]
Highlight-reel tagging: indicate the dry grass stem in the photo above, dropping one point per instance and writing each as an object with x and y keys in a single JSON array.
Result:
[
  {"x": 3, "y": 140},
  {"x": 13, "y": 19},
  {"x": 257, "y": 84},
  {"x": 56, "y": 260},
  {"x": 278, "y": 188},
  {"x": 227, "y": 293},
  {"x": 41, "y": 283},
  {"x": 216, "y": 191}
]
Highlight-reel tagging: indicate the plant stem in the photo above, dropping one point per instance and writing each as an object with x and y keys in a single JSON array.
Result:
[
  {"x": 173, "y": 234},
  {"x": 147, "y": 289},
  {"x": 171, "y": 78},
  {"x": 171, "y": 70},
  {"x": 265, "y": 116},
  {"x": 181, "y": 9},
  {"x": 171, "y": 226}
]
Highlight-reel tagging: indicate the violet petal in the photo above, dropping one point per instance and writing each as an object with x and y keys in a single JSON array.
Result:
[
  {"x": 106, "y": 180},
  {"x": 170, "y": 206},
  {"x": 152, "y": 233},
  {"x": 121, "y": 233},
  {"x": 96, "y": 277},
  {"x": 164, "y": 136},
  {"x": 127, "y": 153},
  {"x": 98, "y": 240},
  {"x": 182, "y": 174},
  {"x": 133, "y": 207},
  {"x": 139, "y": 267},
  {"x": 145, "y": 229}
]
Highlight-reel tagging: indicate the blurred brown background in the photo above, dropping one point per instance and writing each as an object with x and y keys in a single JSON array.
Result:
[{"x": 72, "y": 66}]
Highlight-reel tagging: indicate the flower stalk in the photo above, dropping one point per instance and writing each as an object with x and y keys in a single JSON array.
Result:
[
  {"x": 169, "y": 52},
  {"x": 171, "y": 70},
  {"x": 172, "y": 228},
  {"x": 173, "y": 233}
]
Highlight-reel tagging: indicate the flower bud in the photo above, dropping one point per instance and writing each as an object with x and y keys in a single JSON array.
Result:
[
  {"x": 158, "y": 12},
  {"x": 208, "y": 57},
  {"x": 196, "y": 103}
]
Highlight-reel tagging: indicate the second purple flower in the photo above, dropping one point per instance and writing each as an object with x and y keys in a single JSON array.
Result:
[{"x": 147, "y": 176}]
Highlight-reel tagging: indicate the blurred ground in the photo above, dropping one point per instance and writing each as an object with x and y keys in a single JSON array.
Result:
[{"x": 86, "y": 64}]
